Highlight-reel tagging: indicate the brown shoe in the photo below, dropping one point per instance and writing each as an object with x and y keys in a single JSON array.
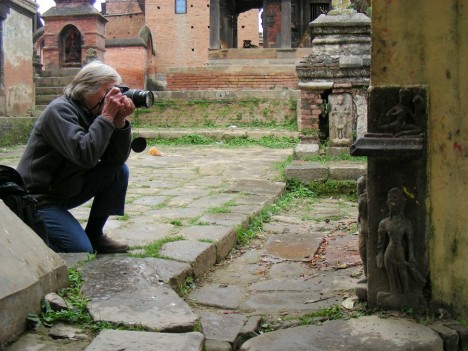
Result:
[{"x": 104, "y": 244}]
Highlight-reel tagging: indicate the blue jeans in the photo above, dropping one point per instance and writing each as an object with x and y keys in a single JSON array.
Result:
[{"x": 107, "y": 183}]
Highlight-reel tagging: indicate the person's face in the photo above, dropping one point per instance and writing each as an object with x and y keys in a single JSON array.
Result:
[{"x": 95, "y": 101}]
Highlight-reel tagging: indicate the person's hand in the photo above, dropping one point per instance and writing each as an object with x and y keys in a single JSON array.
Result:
[{"x": 117, "y": 107}]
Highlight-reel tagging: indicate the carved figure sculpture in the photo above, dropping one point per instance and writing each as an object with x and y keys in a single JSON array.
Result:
[
  {"x": 363, "y": 222},
  {"x": 401, "y": 118},
  {"x": 397, "y": 256},
  {"x": 72, "y": 48},
  {"x": 340, "y": 122}
]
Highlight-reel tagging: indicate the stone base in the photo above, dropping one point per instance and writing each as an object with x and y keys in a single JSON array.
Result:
[
  {"x": 337, "y": 151},
  {"x": 361, "y": 291},
  {"x": 388, "y": 300}
]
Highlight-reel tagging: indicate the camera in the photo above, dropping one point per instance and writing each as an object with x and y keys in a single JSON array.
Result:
[{"x": 140, "y": 98}]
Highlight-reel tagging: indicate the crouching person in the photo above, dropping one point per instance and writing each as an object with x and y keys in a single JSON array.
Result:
[{"x": 77, "y": 152}]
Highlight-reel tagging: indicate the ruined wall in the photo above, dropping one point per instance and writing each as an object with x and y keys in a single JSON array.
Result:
[
  {"x": 409, "y": 51},
  {"x": 247, "y": 28},
  {"x": 18, "y": 86}
]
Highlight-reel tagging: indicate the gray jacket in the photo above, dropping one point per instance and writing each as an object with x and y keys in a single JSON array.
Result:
[{"x": 65, "y": 142}]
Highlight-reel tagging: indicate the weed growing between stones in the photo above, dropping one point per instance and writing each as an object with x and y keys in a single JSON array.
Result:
[{"x": 153, "y": 249}]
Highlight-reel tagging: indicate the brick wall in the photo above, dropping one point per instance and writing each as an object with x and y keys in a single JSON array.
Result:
[
  {"x": 311, "y": 101},
  {"x": 124, "y": 26},
  {"x": 129, "y": 63},
  {"x": 181, "y": 40},
  {"x": 273, "y": 24},
  {"x": 234, "y": 78}
]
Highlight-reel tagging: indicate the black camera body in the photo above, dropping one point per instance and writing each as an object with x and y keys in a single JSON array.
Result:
[{"x": 140, "y": 98}]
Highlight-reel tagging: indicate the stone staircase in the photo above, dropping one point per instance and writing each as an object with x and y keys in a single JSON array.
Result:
[{"x": 50, "y": 84}]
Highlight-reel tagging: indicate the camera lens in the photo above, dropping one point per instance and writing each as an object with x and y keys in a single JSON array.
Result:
[{"x": 140, "y": 98}]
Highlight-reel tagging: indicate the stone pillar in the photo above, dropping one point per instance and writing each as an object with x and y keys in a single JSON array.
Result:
[
  {"x": 285, "y": 24},
  {"x": 397, "y": 193},
  {"x": 215, "y": 15},
  {"x": 3, "y": 13}
]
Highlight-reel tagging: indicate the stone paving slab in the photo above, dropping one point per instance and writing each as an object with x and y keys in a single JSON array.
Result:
[
  {"x": 258, "y": 187},
  {"x": 227, "y": 219},
  {"x": 368, "y": 333},
  {"x": 219, "y": 295},
  {"x": 224, "y": 327},
  {"x": 133, "y": 292},
  {"x": 115, "y": 340},
  {"x": 291, "y": 302},
  {"x": 141, "y": 231},
  {"x": 224, "y": 238},
  {"x": 295, "y": 247},
  {"x": 200, "y": 255}
]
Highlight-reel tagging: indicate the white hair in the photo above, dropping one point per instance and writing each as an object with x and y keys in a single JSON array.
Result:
[{"x": 89, "y": 79}]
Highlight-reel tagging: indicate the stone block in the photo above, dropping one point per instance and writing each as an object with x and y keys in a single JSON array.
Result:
[
  {"x": 223, "y": 237},
  {"x": 347, "y": 171},
  {"x": 306, "y": 171},
  {"x": 304, "y": 151},
  {"x": 29, "y": 271},
  {"x": 200, "y": 255}
]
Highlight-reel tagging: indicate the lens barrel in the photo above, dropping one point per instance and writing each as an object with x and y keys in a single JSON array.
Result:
[{"x": 140, "y": 98}]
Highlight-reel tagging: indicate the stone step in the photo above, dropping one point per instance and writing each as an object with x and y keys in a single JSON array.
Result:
[
  {"x": 45, "y": 99},
  {"x": 147, "y": 341},
  {"x": 308, "y": 171},
  {"x": 62, "y": 72},
  {"x": 53, "y": 81},
  {"x": 40, "y": 90}
]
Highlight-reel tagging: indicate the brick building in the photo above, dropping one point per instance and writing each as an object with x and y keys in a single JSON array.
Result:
[{"x": 145, "y": 40}]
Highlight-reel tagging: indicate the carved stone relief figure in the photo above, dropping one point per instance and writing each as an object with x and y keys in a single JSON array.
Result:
[
  {"x": 72, "y": 46},
  {"x": 340, "y": 120},
  {"x": 402, "y": 119},
  {"x": 363, "y": 223},
  {"x": 395, "y": 254}
]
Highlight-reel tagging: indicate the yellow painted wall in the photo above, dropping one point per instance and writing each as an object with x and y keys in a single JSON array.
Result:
[{"x": 426, "y": 42}]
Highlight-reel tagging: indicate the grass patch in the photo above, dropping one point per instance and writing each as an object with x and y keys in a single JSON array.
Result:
[
  {"x": 224, "y": 208},
  {"x": 176, "y": 222},
  {"x": 196, "y": 139},
  {"x": 153, "y": 249}
]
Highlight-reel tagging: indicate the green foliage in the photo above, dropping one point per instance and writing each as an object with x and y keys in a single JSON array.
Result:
[
  {"x": 16, "y": 132},
  {"x": 341, "y": 188},
  {"x": 188, "y": 285},
  {"x": 330, "y": 313},
  {"x": 176, "y": 222},
  {"x": 293, "y": 104}
]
